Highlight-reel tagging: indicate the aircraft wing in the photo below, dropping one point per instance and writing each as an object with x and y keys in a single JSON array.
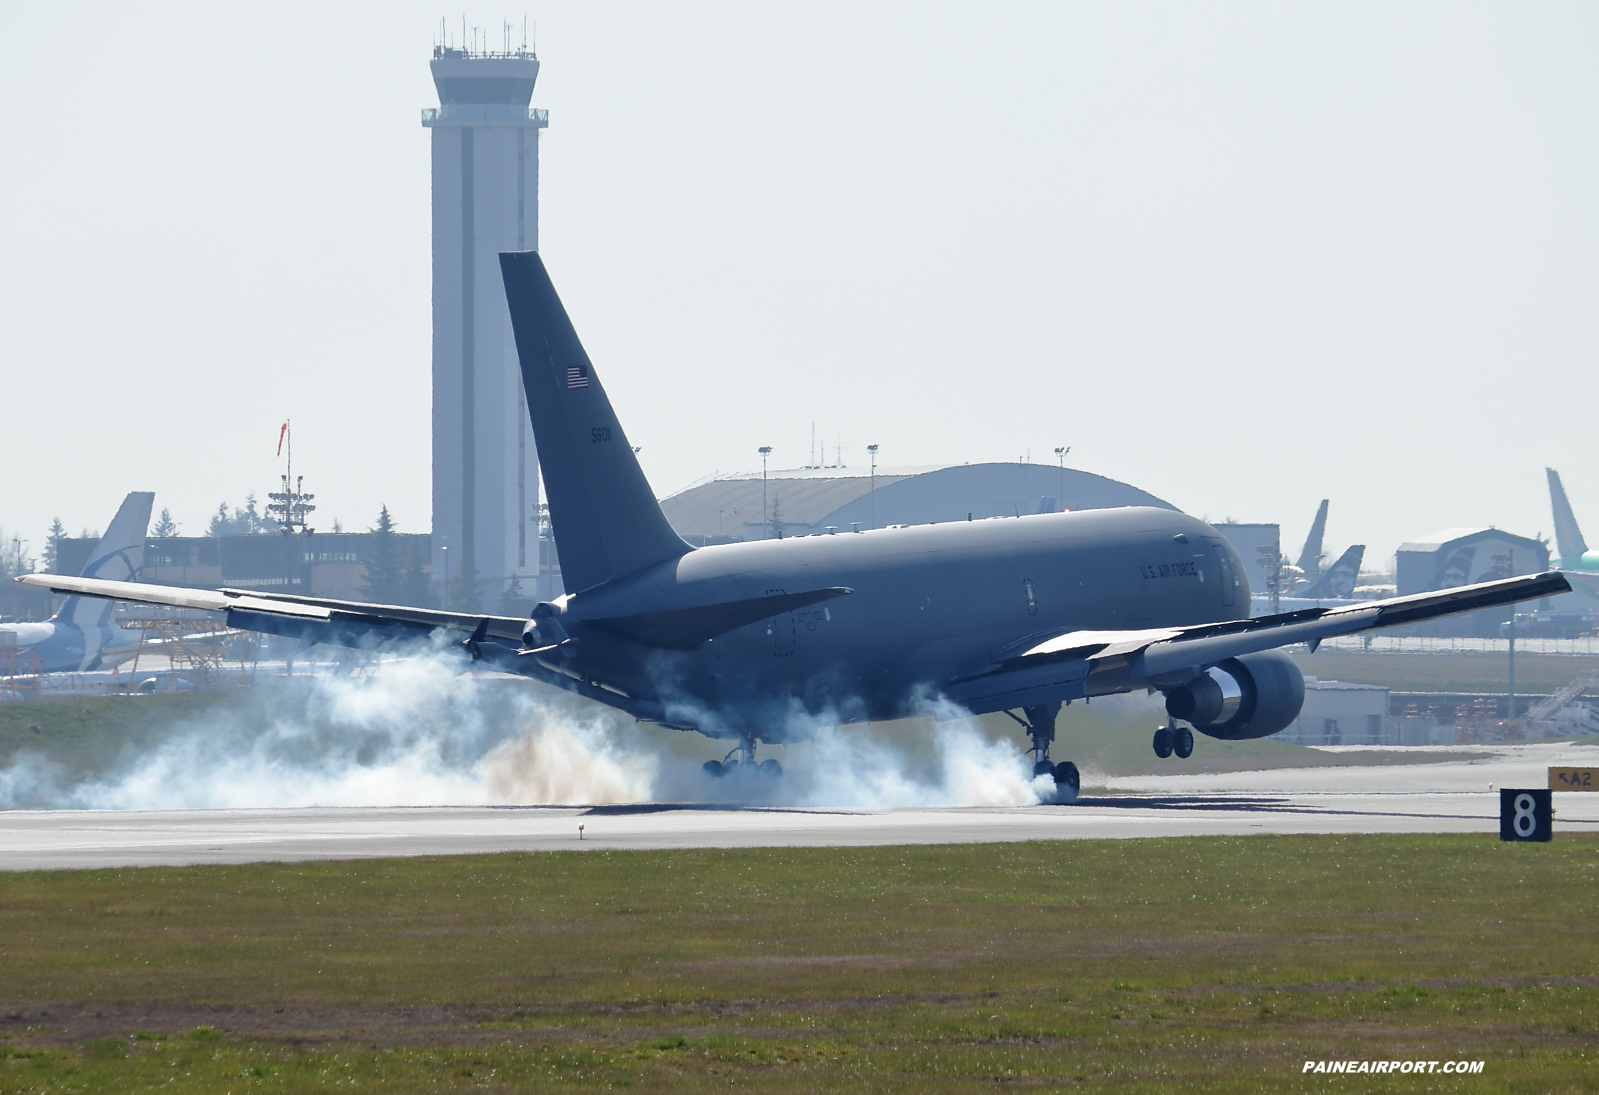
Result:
[
  {"x": 1105, "y": 661},
  {"x": 311, "y": 619}
]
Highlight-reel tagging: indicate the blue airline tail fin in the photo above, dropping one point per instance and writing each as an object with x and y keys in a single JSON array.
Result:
[
  {"x": 118, "y": 557},
  {"x": 1568, "y": 537},
  {"x": 606, "y": 520}
]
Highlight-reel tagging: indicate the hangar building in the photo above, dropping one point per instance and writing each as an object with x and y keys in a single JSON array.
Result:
[
  {"x": 802, "y": 501},
  {"x": 1462, "y": 556}
]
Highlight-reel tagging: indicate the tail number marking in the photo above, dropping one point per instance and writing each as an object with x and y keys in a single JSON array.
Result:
[{"x": 600, "y": 433}]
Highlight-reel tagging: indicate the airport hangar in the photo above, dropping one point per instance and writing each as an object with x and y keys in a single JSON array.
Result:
[
  {"x": 718, "y": 510},
  {"x": 724, "y": 509}
]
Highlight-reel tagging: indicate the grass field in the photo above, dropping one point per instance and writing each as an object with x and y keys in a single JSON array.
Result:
[{"x": 1154, "y": 965}]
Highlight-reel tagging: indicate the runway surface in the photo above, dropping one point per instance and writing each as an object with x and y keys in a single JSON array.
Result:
[{"x": 1432, "y": 798}]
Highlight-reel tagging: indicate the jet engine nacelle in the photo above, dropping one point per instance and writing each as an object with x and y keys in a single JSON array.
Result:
[{"x": 1251, "y": 696}]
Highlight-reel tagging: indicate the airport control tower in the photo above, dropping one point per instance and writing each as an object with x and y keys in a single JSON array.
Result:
[{"x": 485, "y": 200}]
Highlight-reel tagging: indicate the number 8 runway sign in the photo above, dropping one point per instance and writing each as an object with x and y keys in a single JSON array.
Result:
[{"x": 1525, "y": 815}]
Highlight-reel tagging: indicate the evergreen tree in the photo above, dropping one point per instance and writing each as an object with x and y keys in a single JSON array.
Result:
[
  {"x": 246, "y": 520},
  {"x": 251, "y": 522},
  {"x": 14, "y": 559},
  {"x": 464, "y": 593},
  {"x": 514, "y": 602},
  {"x": 416, "y": 588},
  {"x": 52, "y": 546},
  {"x": 384, "y": 578},
  {"x": 166, "y": 527}
]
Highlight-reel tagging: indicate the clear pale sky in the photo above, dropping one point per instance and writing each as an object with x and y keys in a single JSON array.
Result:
[{"x": 1245, "y": 256}]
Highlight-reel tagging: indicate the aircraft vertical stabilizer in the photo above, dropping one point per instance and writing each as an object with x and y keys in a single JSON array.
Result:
[
  {"x": 117, "y": 558},
  {"x": 606, "y": 520},
  {"x": 1338, "y": 580},
  {"x": 1310, "y": 558},
  {"x": 1568, "y": 537}
]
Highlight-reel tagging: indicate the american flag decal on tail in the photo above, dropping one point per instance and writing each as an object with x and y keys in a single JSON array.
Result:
[{"x": 577, "y": 376}]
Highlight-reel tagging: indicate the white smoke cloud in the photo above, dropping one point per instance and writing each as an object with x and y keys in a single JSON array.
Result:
[{"x": 419, "y": 732}]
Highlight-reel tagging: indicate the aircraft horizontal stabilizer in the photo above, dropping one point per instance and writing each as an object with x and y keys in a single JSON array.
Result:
[
  {"x": 688, "y": 628},
  {"x": 1122, "y": 656}
]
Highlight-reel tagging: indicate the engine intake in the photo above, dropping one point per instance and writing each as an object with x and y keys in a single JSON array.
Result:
[{"x": 1251, "y": 696}]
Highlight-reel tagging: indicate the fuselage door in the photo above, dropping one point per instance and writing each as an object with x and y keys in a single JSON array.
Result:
[{"x": 1229, "y": 584}]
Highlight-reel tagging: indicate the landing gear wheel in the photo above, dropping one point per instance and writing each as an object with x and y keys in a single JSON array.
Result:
[
  {"x": 770, "y": 769},
  {"x": 1043, "y": 768},
  {"x": 1164, "y": 742},
  {"x": 715, "y": 769},
  {"x": 1067, "y": 782},
  {"x": 1183, "y": 742}
]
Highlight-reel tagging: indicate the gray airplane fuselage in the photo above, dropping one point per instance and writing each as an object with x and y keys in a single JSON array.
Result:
[{"x": 928, "y": 603}]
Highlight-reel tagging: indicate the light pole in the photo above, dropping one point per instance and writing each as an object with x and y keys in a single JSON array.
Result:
[
  {"x": 1060, "y": 454},
  {"x": 444, "y": 590},
  {"x": 873, "y": 450},
  {"x": 1271, "y": 561},
  {"x": 766, "y": 450},
  {"x": 1504, "y": 566}
]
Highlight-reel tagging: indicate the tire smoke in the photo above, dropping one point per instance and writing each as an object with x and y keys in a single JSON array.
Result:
[{"x": 418, "y": 731}]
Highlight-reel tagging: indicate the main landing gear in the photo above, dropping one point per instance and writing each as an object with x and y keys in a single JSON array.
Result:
[
  {"x": 1039, "y": 722},
  {"x": 745, "y": 752},
  {"x": 1172, "y": 738}
]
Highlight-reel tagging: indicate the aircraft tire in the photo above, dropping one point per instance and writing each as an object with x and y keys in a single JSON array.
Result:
[
  {"x": 1043, "y": 768},
  {"x": 1068, "y": 781},
  {"x": 770, "y": 769},
  {"x": 1164, "y": 742},
  {"x": 1183, "y": 742},
  {"x": 715, "y": 769}
]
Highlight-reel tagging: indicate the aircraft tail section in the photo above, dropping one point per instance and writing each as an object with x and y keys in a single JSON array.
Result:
[
  {"x": 118, "y": 557},
  {"x": 606, "y": 520},
  {"x": 1568, "y": 537},
  {"x": 1338, "y": 580},
  {"x": 1310, "y": 557}
]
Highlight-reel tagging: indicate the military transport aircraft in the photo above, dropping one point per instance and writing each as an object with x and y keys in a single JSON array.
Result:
[{"x": 767, "y": 641}]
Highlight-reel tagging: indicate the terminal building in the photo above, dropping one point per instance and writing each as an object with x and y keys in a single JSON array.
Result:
[
  {"x": 321, "y": 564},
  {"x": 485, "y": 139}
]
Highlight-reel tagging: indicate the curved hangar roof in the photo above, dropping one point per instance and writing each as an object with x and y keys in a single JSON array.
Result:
[{"x": 810, "y": 499}]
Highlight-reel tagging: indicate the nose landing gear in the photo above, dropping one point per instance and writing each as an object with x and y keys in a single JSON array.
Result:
[
  {"x": 1039, "y": 722},
  {"x": 1171, "y": 739}
]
